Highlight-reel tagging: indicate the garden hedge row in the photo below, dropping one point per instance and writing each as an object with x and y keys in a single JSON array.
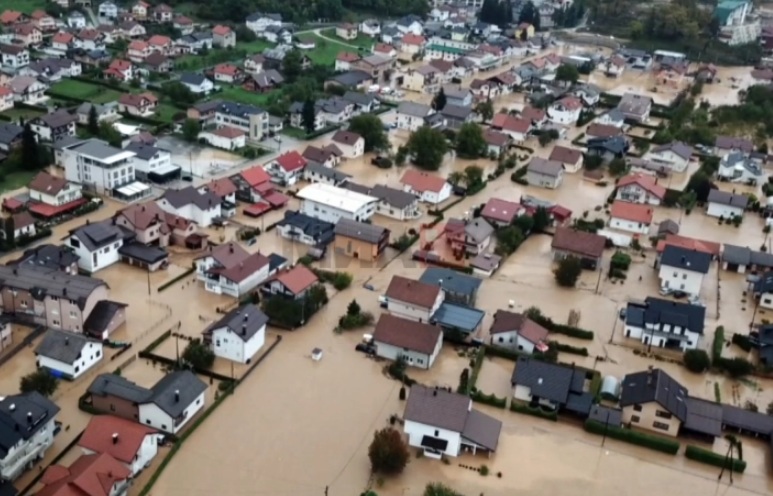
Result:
[
  {"x": 710, "y": 458},
  {"x": 178, "y": 278},
  {"x": 567, "y": 348},
  {"x": 535, "y": 412},
  {"x": 488, "y": 399},
  {"x": 656, "y": 443}
]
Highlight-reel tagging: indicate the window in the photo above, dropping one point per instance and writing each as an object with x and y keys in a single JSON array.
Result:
[
  {"x": 163, "y": 426},
  {"x": 661, "y": 426},
  {"x": 77, "y": 369},
  {"x": 684, "y": 276},
  {"x": 676, "y": 275},
  {"x": 112, "y": 407},
  {"x": 437, "y": 433},
  {"x": 635, "y": 419},
  {"x": 501, "y": 340},
  {"x": 98, "y": 353},
  {"x": 637, "y": 408},
  {"x": 147, "y": 421},
  {"x": 75, "y": 243},
  {"x": 662, "y": 414}
]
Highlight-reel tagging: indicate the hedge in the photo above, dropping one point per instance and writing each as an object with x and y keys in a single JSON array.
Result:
[
  {"x": 710, "y": 458},
  {"x": 656, "y": 443},
  {"x": 156, "y": 342},
  {"x": 535, "y": 412},
  {"x": 488, "y": 399},
  {"x": 716, "y": 346},
  {"x": 566, "y": 348},
  {"x": 567, "y": 330},
  {"x": 742, "y": 342},
  {"x": 176, "y": 279}
]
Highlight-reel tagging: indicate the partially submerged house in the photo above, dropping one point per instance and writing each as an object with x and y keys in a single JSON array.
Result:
[{"x": 417, "y": 343}]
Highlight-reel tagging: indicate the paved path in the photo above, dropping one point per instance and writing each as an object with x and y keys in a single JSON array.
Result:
[{"x": 318, "y": 32}]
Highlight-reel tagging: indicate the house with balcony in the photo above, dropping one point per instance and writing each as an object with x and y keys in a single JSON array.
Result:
[
  {"x": 96, "y": 163},
  {"x": 640, "y": 188},
  {"x": 14, "y": 56},
  {"x": 153, "y": 226},
  {"x": 152, "y": 163},
  {"x": 665, "y": 323},
  {"x": 54, "y": 126},
  {"x": 27, "y": 424},
  {"x": 52, "y": 195},
  {"x": 229, "y": 269},
  {"x": 305, "y": 229},
  {"x": 287, "y": 168},
  {"x": 201, "y": 207},
  {"x": 427, "y": 187},
  {"x": 683, "y": 270}
]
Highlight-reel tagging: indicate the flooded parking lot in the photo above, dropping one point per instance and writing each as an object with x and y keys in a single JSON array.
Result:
[{"x": 199, "y": 161}]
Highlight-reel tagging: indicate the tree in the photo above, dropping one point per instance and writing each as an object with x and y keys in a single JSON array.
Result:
[
  {"x": 93, "y": 125},
  {"x": 41, "y": 381},
  {"x": 292, "y": 65},
  {"x": 455, "y": 178},
  {"x": 371, "y": 129},
  {"x": 541, "y": 219},
  {"x": 688, "y": 200},
  {"x": 30, "y": 152},
  {"x": 9, "y": 228},
  {"x": 508, "y": 240},
  {"x": 191, "y": 128},
  {"x": 696, "y": 360},
  {"x": 470, "y": 142},
  {"x": 388, "y": 452},
  {"x": 473, "y": 175},
  {"x": 440, "y": 100},
  {"x": 401, "y": 155},
  {"x": 547, "y": 137},
  {"x": 427, "y": 147},
  {"x": 108, "y": 133},
  {"x": 525, "y": 223},
  {"x": 530, "y": 14},
  {"x": 353, "y": 308},
  {"x": 618, "y": 167},
  {"x": 568, "y": 271},
  {"x": 199, "y": 355},
  {"x": 567, "y": 73},
  {"x": 309, "y": 116},
  {"x": 438, "y": 489},
  {"x": 485, "y": 110},
  {"x": 700, "y": 183}
]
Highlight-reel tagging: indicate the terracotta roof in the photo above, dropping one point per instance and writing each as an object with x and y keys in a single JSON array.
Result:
[
  {"x": 159, "y": 40},
  {"x": 645, "y": 181},
  {"x": 602, "y": 131},
  {"x": 578, "y": 242},
  {"x": 120, "y": 65},
  {"x": 227, "y": 254},
  {"x": 62, "y": 37},
  {"x": 495, "y": 138},
  {"x": 10, "y": 16},
  {"x": 221, "y": 30},
  {"x": 22, "y": 220},
  {"x": 100, "y": 437},
  {"x": 92, "y": 475},
  {"x": 244, "y": 269},
  {"x": 407, "y": 334},
  {"x": 534, "y": 114},
  {"x": 228, "y": 69},
  {"x": 412, "y": 39},
  {"x": 410, "y": 291},
  {"x": 182, "y": 20},
  {"x": 346, "y": 137},
  {"x": 25, "y": 29},
  {"x": 510, "y": 123},
  {"x": 228, "y": 132},
  {"x": 47, "y": 183},
  {"x": 634, "y": 212},
  {"x": 255, "y": 175},
  {"x": 291, "y": 161},
  {"x": 221, "y": 187},
  {"x": 505, "y": 321},
  {"x": 89, "y": 34},
  {"x": 500, "y": 210},
  {"x": 297, "y": 279},
  {"x": 143, "y": 215},
  {"x": 565, "y": 155},
  {"x": 347, "y": 57},
  {"x": 39, "y": 14},
  {"x": 571, "y": 103},
  {"x": 689, "y": 244},
  {"x": 135, "y": 100},
  {"x": 441, "y": 65},
  {"x": 383, "y": 48},
  {"x": 422, "y": 181}
]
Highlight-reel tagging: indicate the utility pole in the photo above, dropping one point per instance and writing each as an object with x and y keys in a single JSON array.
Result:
[{"x": 606, "y": 427}]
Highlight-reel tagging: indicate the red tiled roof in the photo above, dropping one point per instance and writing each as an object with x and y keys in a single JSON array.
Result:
[
  {"x": 646, "y": 182},
  {"x": 221, "y": 30},
  {"x": 39, "y": 14},
  {"x": 347, "y": 57},
  {"x": 47, "y": 183},
  {"x": 99, "y": 434},
  {"x": 25, "y": 29},
  {"x": 597, "y": 130},
  {"x": 689, "y": 244},
  {"x": 407, "y": 334},
  {"x": 89, "y": 34},
  {"x": 517, "y": 124},
  {"x": 414, "y": 292},
  {"x": 10, "y": 16},
  {"x": 62, "y": 37},
  {"x": 500, "y": 210},
  {"x": 244, "y": 269},
  {"x": 291, "y": 161},
  {"x": 297, "y": 279},
  {"x": 578, "y": 242},
  {"x": 495, "y": 138},
  {"x": 422, "y": 181},
  {"x": 138, "y": 45},
  {"x": 182, "y": 20},
  {"x": 227, "y": 69},
  {"x": 631, "y": 211},
  {"x": 222, "y": 187},
  {"x": 257, "y": 209},
  {"x": 159, "y": 40},
  {"x": 412, "y": 39},
  {"x": 255, "y": 175},
  {"x": 120, "y": 65},
  {"x": 534, "y": 114},
  {"x": 571, "y": 103},
  {"x": 383, "y": 48},
  {"x": 275, "y": 198},
  {"x": 228, "y": 132},
  {"x": 48, "y": 211},
  {"x": 92, "y": 475}
]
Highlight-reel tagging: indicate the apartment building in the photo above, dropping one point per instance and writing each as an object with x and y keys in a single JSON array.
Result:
[
  {"x": 248, "y": 118},
  {"x": 98, "y": 164}
]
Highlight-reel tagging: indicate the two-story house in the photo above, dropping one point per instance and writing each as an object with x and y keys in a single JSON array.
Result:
[
  {"x": 250, "y": 119},
  {"x": 736, "y": 167},
  {"x": 287, "y": 168},
  {"x": 53, "y": 192},
  {"x": 98, "y": 244},
  {"x": 392, "y": 202},
  {"x": 152, "y": 163},
  {"x": 132, "y": 444},
  {"x": 140, "y": 104},
  {"x": 427, "y": 187},
  {"x": 14, "y": 56},
  {"x": 640, "y": 188},
  {"x": 413, "y": 300},
  {"x": 153, "y": 226},
  {"x": 229, "y": 269},
  {"x": 223, "y": 36},
  {"x": 189, "y": 203},
  {"x": 565, "y": 111},
  {"x": 411, "y": 116},
  {"x": 67, "y": 354},
  {"x": 633, "y": 218},
  {"x": 239, "y": 335},
  {"x": 294, "y": 283},
  {"x": 665, "y": 323},
  {"x": 683, "y": 270},
  {"x": 96, "y": 163},
  {"x": 27, "y": 423},
  {"x": 654, "y": 401},
  {"x": 54, "y": 126},
  {"x": 416, "y": 343}
]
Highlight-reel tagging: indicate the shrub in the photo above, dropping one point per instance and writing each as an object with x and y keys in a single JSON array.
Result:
[
  {"x": 388, "y": 452},
  {"x": 536, "y": 315},
  {"x": 719, "y": 341},
  {"x": 735, "y": 367},
  {"x": 742, "y": 342},
  {"x": 536, "y": 412},
  {"x": 41, "y": 380},
  {"x": 488, "y": 399},
  {"x": 696, "y": 360},
  {"x": 566, "y": 348},
  {"x": 656, "y": 443},
  {"x": 199, "y": 355},
  {"x": 483, "y": 470},
  {"x": 710, "y": 458}
]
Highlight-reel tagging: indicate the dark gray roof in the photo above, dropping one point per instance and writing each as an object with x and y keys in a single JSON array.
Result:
[
  {"x": 740, "y": 255},
  {"x": 239, "y": 109},
  {"x": 321, "y": 231},
  {"x": 101, "y": 316},
  {"x": 451, "y": 316},
  {"x": 605, "y": 414},
  {"x": 703, "y": 416},
  {"x": 143, "y": 151},
  {"x": 370, "y": 233},
  {"x": 437, "y": 408},
  {"x": 149, "y": 254},
  {"x": 192, "y": 78},
  {"x": 668, "y": 226},
  {"x": 22, "y": 416},
  {"x": 391, "y": 196},
  {"x": 115, "y": 385},
  {"x": 451, "y": 280},
  {"x": 49, "y": 256},
  {"x": 98, "y": 234},
  {"x": 546, "y": 380},
  {"x": 9, "y": 132},
  {"x": 456, "y": 112},
  {"x": 695, "y": 261},
  {"x": 414, "y": 109},
  {"x": 268, "y": 78},
  {"x": 191, "y": 196},
  {"x": 725, "y": 198},
  {"x": 614, "y": 144},
  {"x": 478, "y": 229},
  {"x": 358, "y": 98},
  {"x": 762, "y": 259},
  {"x": 545, "y": 167},
  {"x": 658, "y": 312},
  {"x": 181, "y": 382},
  {"x": 62, "y": 346},
  {"x": 655, "y": 385},
  {"x": 41, "y": 281},
  {"x": 482, "y": 429},
  {"x": 328, "y": 172},
  {"x": 97, "y": 149},
  {"x": 205, "y": 107},
  {"x": 740, "y": 418},
  {"x": 243, "y": 321},
  {"x": 58, "y": 119},
  {"x": 351, "y": 78},
  {"x": 682, "y": 149}
]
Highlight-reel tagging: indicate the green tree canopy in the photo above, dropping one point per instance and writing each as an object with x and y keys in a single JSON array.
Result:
[
  {"x": 427, "y": 148},
  {"x": 371, "y": 129},
  {"x": 388, "y": 452},
  {"x": 41, "y": 381},
  {"x": 470, "y": 143},
  {"x": 199, "y": 355},
  {"x": 568, "y": 271},
  {"x": 567, "y": 73},
  {"x": 191, "y": 130}
]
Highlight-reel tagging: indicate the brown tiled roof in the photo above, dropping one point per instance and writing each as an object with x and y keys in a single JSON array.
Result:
[
  {"x": 597, "y": 130},
  {"x": 222, "y": 187},
  {"x": 347, "y": 57},
  {"x": 500, "y": 210},
  {"x": 495, "y": 138},
  {"x": 94, "y": 475},
  {"x": 22, "y": 219},
  {"x": 422, "y": 181},
  {"x": 645, "y": 181},
  {"x": 143, "y": 215},
  {"x": 534, "y": 114},
  {"x": 47, "y": 183},
  {"x": 227, "y": 254},
  {"x": 346, "y": 137},
  {"x": 228, "y": 132},
  {"x": 634, "y": 212},
  {"x": 410, "y": 291},
  {"x": 565, "y": 155},
  {"x": 297, "y": 279},
  {"x": 578, "y": 242},
  {"x": 98, "y": 437},
  {"x": 221, "y": 30},
  {"x": 245, "y": 268},
  {"x": 505, "y": 321},
  {"x": 407, "y": 334},
  {"x": 688, "y": 243}
]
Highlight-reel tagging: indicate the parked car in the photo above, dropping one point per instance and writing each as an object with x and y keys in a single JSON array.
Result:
[
  {"x": 365, "y": 348},
  {"x": 382, "y": 301}
]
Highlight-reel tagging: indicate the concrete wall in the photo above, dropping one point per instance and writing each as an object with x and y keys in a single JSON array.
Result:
[{"x": 646, "y": 418}]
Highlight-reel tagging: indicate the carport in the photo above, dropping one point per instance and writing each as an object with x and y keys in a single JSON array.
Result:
[
  {"x": 150, "y": 258},
  {"x": 704, "y": 419},
  {"x": 132, "y": 191},
  {"x": 165, "y": 174},
  {"x": 452, "y": 317}
]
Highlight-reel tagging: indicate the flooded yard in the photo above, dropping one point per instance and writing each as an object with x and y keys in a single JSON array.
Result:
[{"x": 200, "y": 161}]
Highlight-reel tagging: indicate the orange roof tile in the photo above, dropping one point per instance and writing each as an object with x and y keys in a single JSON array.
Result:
[
  {"x": 100, "y": 437},
  {"x": 634, "y": 212}
]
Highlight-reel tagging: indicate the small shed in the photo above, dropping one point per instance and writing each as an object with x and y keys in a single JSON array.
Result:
[
  {"x": 668, "y": 226},
  {"x": 316, "y": 354},
  {"x": 610, "y": 388}
]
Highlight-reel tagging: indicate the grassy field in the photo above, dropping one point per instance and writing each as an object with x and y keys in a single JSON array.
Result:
[
  {"x": 361, "y": 41},
  {"x": 22, "y": 113},
  {"x": 326, "y": 51},
  {"x": 26, "y": 6},
  {"x": 240, "y": 95},
  {"x": 85, "y": 91},
  {"x": 253, "y": 47},
  {"x": 16, "y": 180},
  {"x": 166, "y": 112}
]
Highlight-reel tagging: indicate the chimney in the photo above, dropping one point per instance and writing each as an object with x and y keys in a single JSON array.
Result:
[
  {"x": 176, "y": 395},
  {"x": 115, "y": 438},
  {"x": 246, "y": 317},
  {"x": 64, "y": 291},
  {"x": 12, "y": 407},
  {"x": 244, "y": 330},
  {"x": 29, "y": 417},
  {"x": 67, "y": 340},
  {"x": 434, "y": 392}
]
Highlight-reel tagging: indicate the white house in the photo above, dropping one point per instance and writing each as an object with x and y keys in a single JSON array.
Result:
[
  {"x": 565, "y": 111},
  {"x": 665, "y": 323},
  {"x": 444, "y": 423},
  {"x": 108, "y": 12},
  {"x": 175, "y": 400},
  {"x": 630, "y": 217},
  {"x": 640, "y": 188},
  {"x": 66, "y": 354},
  {"x": 417, "y": 343},
  {"x": 515, "y": 331},
  {"x": 239, "y": 335},
  {"x": 411, "y": 116},
  {"x": 613, "y": 118},
  {"x": 683, "y": 270},
  {"x": 331, "y": 203},
  {"x": 229, "y": 269},
  {"x": 427, "y": 187},
  {"x": 287, "y": 168},
  {"x": 76, "y": 20},
  {"x": 675, "y": 156},
  {"x": 258, "y": 22},
  {"x": 293, "y": 283},
  {"x": 352, "y": 145},
  {"x": 98, "y": 164},
  {"x": 392, "y": 202},
  {"x": 23, "y": 448},
  {"x": 226, "y": 138},
  {"x": 413, "y": 300},
  {"x": 198, "y": 84},
  {"x": 14, "y": 56},
  {"x": 726, "y": 205},
  {"x": 96, "y": 244},
  {"x": 200, "y": 207},
  {"x": 135, "y": 445},
  {"x": 151, "y": 163},
  {"x": 736, "y": 167}
]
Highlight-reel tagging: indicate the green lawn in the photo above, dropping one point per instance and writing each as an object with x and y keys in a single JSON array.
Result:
[
  {"x": 16, "y": 180},
  {"x": 26, "y": 6},
  {"x": 253, "y": 47},
  {"x": 166, "y": 112},
  {"x": 361, "y": 40},
  {"x": 240, "y": 95},
  {"x": 22, "y": 113},
  {"x": 326, "y": 51},
  {"x": 85, "y": 91}
]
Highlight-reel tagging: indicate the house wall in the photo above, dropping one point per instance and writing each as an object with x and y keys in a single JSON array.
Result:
[
  {"x": 409, "y": 122},
  {"x": 411, "y": 312},
  {"x": 332, "y": 214},
  {"x": 537, "y": 179},
  {"x": 92, "y": 261},
  {"x": 352, "y": 151},
  {"x": 725, "y": 211},
  {"x": 69, "y": 193},
  {"x": 647, "y": 335},
  {"x": 228, "y": 345},
  {"x": 523, "y": 393},
  {"x": 356, "y": 248},
  {"x": 669, "y": 159},
  {"x": 416, "y": 431},
  {"x": 292, "y": 233},
  {"x": 25, "y": 453},
  {"x": 152, "y": 415},
  {"x": 513, "y": 341},
  {"x": 116, "y": 406},
  {"x": 203, "y": 218},
  {"x": 89, "y": 356},
  {"x": 387, "y": 210},
  {"x": 648, "y": 415},
  {"x": 679, "y": 279},
  {"x": 634, "y": 193},
  {"x": 412, "y": 358},
  {"x": 629, "y": 226},
  {"x": 766, "y": 300}
]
